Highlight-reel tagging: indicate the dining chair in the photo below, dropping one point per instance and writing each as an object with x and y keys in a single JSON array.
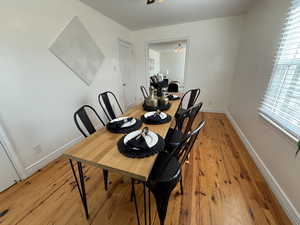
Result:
[
  {"x": 186, "y": 147},
  {"x": 109, "y": 102},
  {"x": 188, "y": 100},
  {"x": 82, "y": 115},
  {"x": 173, "y": 87},
  {"x": 183, "y": 125},
  {"x": 144, "y": 91},
  {"x": 166, "y": 172}
]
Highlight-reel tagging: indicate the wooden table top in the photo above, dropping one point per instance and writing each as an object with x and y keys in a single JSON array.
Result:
[{"x": 100, "y": 149}]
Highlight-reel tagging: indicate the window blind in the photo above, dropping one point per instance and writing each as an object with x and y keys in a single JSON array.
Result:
[{"x": 281, "y": 102}]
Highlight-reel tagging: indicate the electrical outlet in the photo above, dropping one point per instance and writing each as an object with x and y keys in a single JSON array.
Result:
[{"x": 38, "y": 149}]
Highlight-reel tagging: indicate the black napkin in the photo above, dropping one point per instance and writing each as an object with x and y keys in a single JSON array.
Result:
[
  {"x": 138, "y": 142},
  {"x": 172, "y": 97},
  {"x": 155, "y": 117},
  {"x": 118, "y": 124}
]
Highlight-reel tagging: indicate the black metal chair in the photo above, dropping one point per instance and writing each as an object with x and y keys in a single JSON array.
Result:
[
  {"x": 183, "y": 126},
  {"x": 173, "y": 87},
  {"x": 107, "y": 106},
  {"x": 191, "y": 96},
  {"x": 144, "y": 91},
  {"x": 187, "y": 101},
  {"x": 90, "y": 129},
  {"x": 166, "y": 172}
]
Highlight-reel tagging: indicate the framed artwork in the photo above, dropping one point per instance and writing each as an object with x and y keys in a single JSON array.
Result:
[{"x": 77, "y": 50}]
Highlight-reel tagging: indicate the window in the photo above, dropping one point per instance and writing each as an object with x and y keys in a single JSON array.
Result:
[{"x": 281, "y": 103}]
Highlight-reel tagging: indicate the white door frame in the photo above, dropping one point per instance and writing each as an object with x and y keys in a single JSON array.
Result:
[
  {"x": 130, "y": 45},
  {"x": 11, "y": 153},
  {"x": 187, "y": 55}
]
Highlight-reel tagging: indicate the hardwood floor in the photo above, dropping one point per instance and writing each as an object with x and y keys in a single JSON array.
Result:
[{"x": 222, "y": 186}]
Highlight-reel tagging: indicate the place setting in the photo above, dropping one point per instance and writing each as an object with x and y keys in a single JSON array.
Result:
[
  {"x": 172, "y": 97},
  {"x": 156, "y": 117},
  {"x": 124, "y": 125},
  {"x": 141, "y": 144}
]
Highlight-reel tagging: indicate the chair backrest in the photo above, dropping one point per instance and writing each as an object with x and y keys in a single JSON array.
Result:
[
  {"x": 144, "y": 91},
  {"x": 87, "y": 123},
  {"x": 185, "y": 121},
  {"x": 173, "y": 87},
  {"x": 183, "y": 150},
  {"x": 105, "y": 100},
  {"x": 191, "y": 96}
]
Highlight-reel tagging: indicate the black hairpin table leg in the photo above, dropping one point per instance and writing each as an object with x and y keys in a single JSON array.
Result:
[
  {"x": 80, "y": 186},
  {"x": 181, "y": 186},
  {"x": 131, "y": 193},
  {"x": 135, "y": 201},
  {"x": 149, "y": 199},
  {"x": 145, "y": 203}
]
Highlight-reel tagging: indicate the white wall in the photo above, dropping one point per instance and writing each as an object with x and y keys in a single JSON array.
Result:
[
  {"x": 211, "y": 63},
  {"x": 260, "y": 39},
  {"x": 156, "y": 56},
  {"x": 39, "y": 94},
  {"x": 174, "y": 63}
]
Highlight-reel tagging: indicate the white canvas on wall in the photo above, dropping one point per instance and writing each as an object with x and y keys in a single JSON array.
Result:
[{"x": 77, "y": 50}]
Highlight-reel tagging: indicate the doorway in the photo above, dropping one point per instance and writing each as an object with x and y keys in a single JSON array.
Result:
[
  {"x": 126, "y": 64},
  {"x": 8, "y": 174},
  {"x": 168, "y": 58}
]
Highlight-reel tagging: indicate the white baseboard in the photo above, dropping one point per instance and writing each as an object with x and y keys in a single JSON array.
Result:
[
  {"x": 283, "y": 199},
  {"x": 214, "y": 110},
  {"x": 53, "y": 155},
  {"x": 50, "y": 157}
]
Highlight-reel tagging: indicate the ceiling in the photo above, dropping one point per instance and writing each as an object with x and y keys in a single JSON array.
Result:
[
  {"x": 167, "y": 46},
  {"x": 136, "y": 15}
]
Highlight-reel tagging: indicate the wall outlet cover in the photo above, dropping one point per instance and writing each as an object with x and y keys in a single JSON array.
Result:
[{"x": 38, "y": 148}]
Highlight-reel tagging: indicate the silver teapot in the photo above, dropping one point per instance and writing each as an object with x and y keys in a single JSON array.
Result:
[
  {"x": 163, "y": 100},
  {"x": 152, "y": 100}
]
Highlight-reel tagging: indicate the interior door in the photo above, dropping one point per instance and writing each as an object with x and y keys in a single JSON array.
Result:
[
  {"x": 8, "y": 174},
  {"x": 126, "y": 68}
]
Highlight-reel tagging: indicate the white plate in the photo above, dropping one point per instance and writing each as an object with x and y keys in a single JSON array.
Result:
[
  {"x": 127, "y": 124},
  {"x": 151, "y": 137},
  {"x": 175, "y": 96},
  {"x": 162, "y": 115}
]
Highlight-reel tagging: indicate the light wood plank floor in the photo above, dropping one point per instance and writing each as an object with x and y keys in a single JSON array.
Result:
[{"x": 222, "y": 187}]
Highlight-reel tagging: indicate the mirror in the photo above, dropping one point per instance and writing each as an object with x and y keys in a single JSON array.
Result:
[{"x": 169, "y": 60}]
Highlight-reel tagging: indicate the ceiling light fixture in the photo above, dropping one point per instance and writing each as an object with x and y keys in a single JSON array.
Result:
[
  {"x": 149, "y": 2},
  {"x": 179, "y": 48}
]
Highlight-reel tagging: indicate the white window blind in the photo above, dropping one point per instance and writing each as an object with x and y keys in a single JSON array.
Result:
[{"x": 281, "y": 103}]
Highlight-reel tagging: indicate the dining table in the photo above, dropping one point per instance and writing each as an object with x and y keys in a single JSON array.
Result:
[{"x": 100, "y": 150}]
